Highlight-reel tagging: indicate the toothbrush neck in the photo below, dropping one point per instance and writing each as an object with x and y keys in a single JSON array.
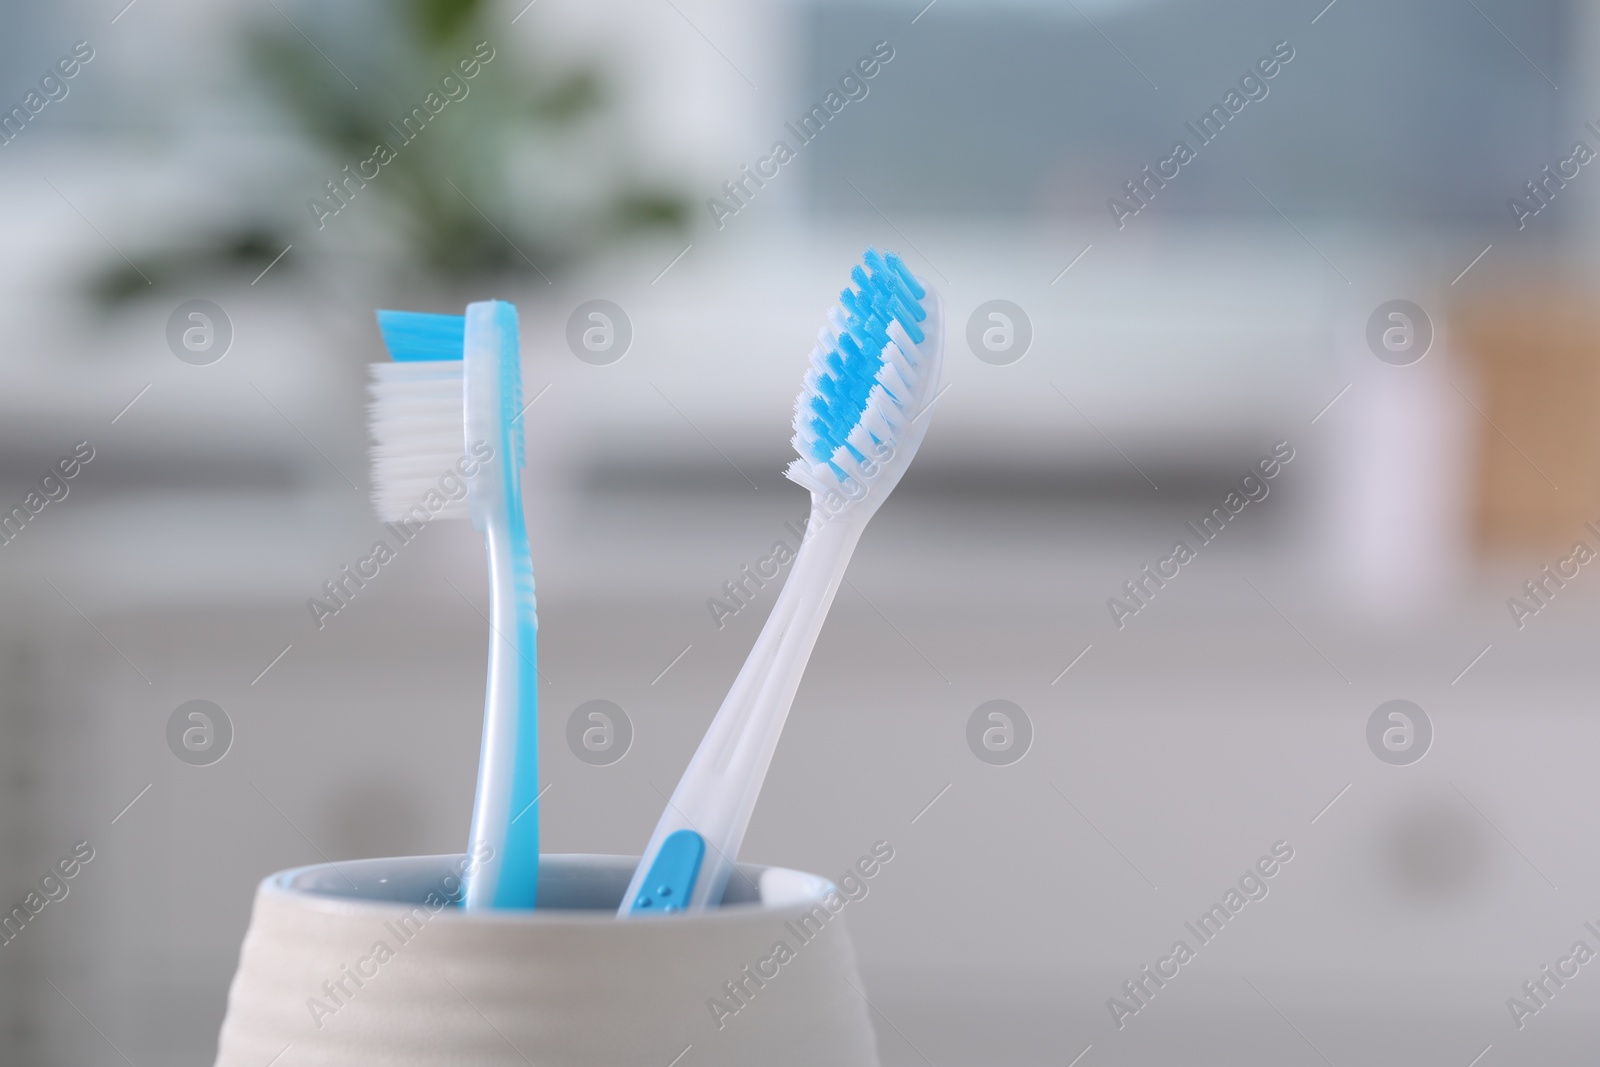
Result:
[{"x": 825, "y": 553}]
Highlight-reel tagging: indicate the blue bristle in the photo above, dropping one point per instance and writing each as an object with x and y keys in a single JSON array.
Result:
[
  {"x": 850, "y": 351},
  {"x": 885, "y": 292},
  {"x": 907, "y": 277},
  {"x": 418, "y": 335}
]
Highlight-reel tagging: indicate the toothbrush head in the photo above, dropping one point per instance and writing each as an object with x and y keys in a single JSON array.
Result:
[
  {"x": 416, "y": 414},
  {"x": 446, "y": 416},
  {"x": 874, "y": 373}
]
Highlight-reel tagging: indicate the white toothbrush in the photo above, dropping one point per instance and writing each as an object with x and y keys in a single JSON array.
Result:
[{"x": 858, "y": 421}]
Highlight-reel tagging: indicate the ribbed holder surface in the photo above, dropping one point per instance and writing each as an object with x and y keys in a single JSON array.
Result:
[{"x": 349, "y": 965}]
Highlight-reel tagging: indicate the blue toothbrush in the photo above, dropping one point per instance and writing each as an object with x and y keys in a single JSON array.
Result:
[{"x": 447, "y": 413}]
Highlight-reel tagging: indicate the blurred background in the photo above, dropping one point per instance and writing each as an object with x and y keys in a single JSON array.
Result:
[{"x": 1142, "y": 359}]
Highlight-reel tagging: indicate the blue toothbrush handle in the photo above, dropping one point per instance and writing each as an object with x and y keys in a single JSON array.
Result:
[
  {"x": 505, "y": 818},
  {"x": 519, "y": 876},
  {"x": 506, "y": 814}
]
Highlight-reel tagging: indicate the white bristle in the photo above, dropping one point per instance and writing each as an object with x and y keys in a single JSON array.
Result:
[
  {"x": 417, "y": 417},
  {"x": 838, "y": 322}
]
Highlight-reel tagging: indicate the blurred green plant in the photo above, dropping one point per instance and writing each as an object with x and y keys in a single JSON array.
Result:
[{"x": 527, "y": 174}]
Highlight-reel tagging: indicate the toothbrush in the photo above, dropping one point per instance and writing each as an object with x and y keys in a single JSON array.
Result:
[
  {"x": 858, "y": 422},
  {"x": 448, "y": 410}
]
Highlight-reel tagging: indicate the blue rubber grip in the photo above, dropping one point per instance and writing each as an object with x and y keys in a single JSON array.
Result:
[{"x": 672, "y": 875}]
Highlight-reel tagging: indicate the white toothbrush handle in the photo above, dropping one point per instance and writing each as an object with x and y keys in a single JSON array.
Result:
[{"x": 717, "y": 793}]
